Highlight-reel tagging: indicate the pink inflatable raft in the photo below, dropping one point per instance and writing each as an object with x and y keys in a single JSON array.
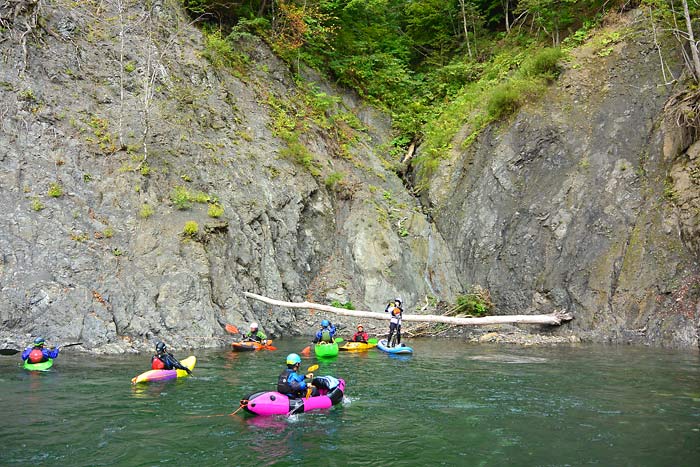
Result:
[{"x": 330, "y": 390}]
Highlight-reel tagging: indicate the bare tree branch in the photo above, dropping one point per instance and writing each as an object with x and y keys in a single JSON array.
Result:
[{"x": 554, "y": 319}]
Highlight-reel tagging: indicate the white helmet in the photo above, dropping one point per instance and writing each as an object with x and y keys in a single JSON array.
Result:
[{"x": 253, "y": 325}]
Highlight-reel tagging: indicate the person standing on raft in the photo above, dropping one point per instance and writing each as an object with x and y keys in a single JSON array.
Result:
[{"x": 395, "y": 322}]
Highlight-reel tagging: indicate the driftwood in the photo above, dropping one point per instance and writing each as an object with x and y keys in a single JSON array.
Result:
[{"x": 554, "y": 319}]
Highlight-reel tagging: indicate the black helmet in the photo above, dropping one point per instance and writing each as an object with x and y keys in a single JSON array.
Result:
[{"x": 160, "y": 347}]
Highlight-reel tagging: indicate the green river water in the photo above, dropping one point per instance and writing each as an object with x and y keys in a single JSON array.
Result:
[{"x": 451, "y": 403}]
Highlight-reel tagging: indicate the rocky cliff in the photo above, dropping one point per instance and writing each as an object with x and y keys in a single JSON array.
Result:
[
  {"x": 587, "y": 201},
  {"x": 151, "y": 175}
]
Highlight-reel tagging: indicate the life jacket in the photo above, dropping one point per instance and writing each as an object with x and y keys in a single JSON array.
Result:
[
  {"x": 326, "y": 335},
  {"x": 157, "y": 363},
  {"x": 359, "y": 337},
  {"x": 36, "y": 355},
  {"x": 283, "y": 386}
]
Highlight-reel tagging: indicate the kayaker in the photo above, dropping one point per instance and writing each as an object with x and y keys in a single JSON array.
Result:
[
  {"x": 326, "y": 333},
  {"x": 293, "y": 384},
  {"x": 360, "y": 335},
  {"x": 164, "y": 360},
  {"x": 395, "y": 322},
  {"x": 255, "y": 335},
  {"x": 37, "y": 353}
]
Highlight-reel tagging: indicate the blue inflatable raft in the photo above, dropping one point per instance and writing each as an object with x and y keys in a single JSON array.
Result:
[{"x": 399, "y": 349}]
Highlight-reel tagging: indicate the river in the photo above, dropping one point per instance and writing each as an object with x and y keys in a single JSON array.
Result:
[{"x": 451, "y": 403}]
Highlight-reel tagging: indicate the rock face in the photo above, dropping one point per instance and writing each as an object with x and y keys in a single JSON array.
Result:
[
  {"x": 571, "y": 205},
  {"x": 123, "y": 128}
]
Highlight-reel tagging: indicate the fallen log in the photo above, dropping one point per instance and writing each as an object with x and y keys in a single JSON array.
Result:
[{"x": 554, "y": 319}]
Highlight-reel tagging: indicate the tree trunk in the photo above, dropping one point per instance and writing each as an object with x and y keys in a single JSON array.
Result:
[
  {"x": 691, "y": 40},
  {"x": 554, "y": 319}
]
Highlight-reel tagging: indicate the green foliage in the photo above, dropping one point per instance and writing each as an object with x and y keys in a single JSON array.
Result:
[
  {"x": 221, "y": 53},
  {"x": 191, "y": 229},
  {"x": 414, "y": 58},
  {"x": 543, "y": 64},
  {"x": 347, "y": 305},
  {"x": 215, "y": 211},
  {"x": 333, "y": 179},
  {"x": 146, "y": 211},
  {"x": 298, "y": 153},
  {"x": 183, "y": 198},
  {"x": 37, "y": 205},
  {"x": 108, "y": 232},
  {"x": 476, "y": 303},
  {"x": 55, "y": 190}
]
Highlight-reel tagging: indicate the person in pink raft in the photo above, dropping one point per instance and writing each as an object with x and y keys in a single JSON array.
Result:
[{"x": 292, "y": 384}]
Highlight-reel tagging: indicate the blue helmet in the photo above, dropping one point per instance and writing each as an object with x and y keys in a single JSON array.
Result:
[
  {"x": 293, "y": 359},
  {"x": 325, "y": 323},
  {"x": 39, "y": 341}
]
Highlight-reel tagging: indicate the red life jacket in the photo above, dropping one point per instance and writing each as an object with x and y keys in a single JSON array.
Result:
[
  {"x": 157, "y": 363},
  {"x": 36, "y": 355}
]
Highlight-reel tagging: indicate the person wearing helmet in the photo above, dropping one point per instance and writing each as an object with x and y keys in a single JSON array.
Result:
[
  {"x": 255, "y": 335},
  {"x": 360, "y": 335},
  {"x": 291, "y": 383},
  {"x": 37, "y": 353},
  {"x": 394, "y": 307},
  {"x": 164, "y": 360},
  {"x": 326, "y": 333}
]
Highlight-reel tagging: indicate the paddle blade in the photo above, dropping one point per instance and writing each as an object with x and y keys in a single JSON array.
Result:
[
  {"x": 338, "y": 340},
  {"x": 373, "y": 340},
  {"x": 270, "y": 347},
  {"x": 312, "y": 368},
  {"x": 231, "y": 329},
  {"x": 306, "y": 351},
  {"x": 8, "y": 351},
  {"x": 71, "y": 344}
]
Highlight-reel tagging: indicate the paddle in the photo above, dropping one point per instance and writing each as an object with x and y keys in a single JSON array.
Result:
[
  {"x": 234, "y": 330},
  {"x": 14, "y": 351},
  {"x": 309, "y": 389}
]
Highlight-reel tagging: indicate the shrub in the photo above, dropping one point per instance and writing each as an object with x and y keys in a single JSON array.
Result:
[
  {"x": 544, "y": 63},
  {"x": 37, "y": 205},
  {"x": 55, "y": 190},
  {"x": 146, "y": 211},
  {"x": 476, "y": 303},
  {"x": 333, "y": 179},
  {"x": 347, "y": 305},
  {"x": 191, "y": 229},
  {"x": 215, "y": 211},
  {"x": 504, "y": 101},
  {"x": 181, "y": 198}
]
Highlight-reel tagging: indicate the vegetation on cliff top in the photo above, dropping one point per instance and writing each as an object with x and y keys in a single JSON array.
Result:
[{"x": 436, "y": 65}]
